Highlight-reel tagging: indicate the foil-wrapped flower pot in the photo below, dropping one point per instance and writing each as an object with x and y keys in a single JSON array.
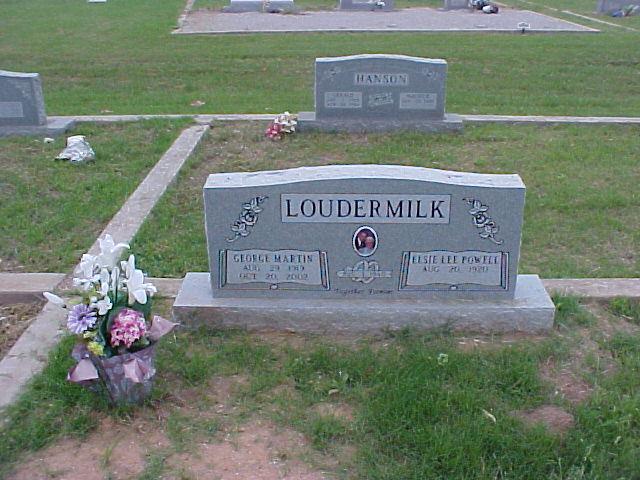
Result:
[{"x": 128, "y": 378}]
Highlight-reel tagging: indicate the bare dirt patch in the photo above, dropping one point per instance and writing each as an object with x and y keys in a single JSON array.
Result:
[
  {"x": 116, "y": 450},
  {"x": 257, "y": 451},
  {"x": 556, "y": 419},
  {"x": 14, "y": 319},
  {"x": 568, "y": 384}
]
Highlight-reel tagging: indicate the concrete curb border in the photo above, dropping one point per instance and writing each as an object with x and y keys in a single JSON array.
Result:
[
  {"x": 209, "y": 118},
  {"x": 29, "y": 354}
]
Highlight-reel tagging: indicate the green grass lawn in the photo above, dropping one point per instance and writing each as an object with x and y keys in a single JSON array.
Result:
[
  {"x": 120, "y": 57},
  {"x": 581, "y": 213},
  {"x": 52, "y": 211},
  {"x": 582, "y": 7},
  {"x": 419, "y": 405}
]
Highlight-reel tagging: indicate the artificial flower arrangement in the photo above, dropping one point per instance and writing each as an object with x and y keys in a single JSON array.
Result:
[
  {"x": 114, "y": 325},
  {"x": 283, "y": 124}
]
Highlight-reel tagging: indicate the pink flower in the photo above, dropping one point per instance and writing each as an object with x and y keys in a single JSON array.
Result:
[
  {"x": 128, "y": 326},
  {"x": 274, "y": 131}
]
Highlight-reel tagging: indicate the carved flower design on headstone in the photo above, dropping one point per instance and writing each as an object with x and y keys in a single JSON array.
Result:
[
  {"x": 247, "y": 219},
  {"x": 481, "y": 219}
]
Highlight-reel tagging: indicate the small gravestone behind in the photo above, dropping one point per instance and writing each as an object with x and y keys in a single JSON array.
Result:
[
  {"x": 22, "y": 107},
  {"x": 384, "y": 5},
  {"x": 273, "y": 6},
  {"x": 363, "y": 247},
  {"x": 379, "y": 93},
  {"x": 608, "y": 6},
  {"x": 456, "y": 4}
]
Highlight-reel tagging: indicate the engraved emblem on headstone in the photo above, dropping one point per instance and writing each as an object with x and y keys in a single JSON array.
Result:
[
  {"x": 482, "y": 220},
  {"x": 332, "y": 72},
  {"x": 379, "y": 99},
  {"x": 364, "y": 271},
  {"x": 247, "y": 219}
]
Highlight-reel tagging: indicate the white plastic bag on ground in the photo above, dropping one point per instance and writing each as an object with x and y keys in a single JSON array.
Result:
[{"x": 77, "y": 150}]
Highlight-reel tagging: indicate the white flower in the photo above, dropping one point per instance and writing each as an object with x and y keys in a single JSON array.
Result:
[
  {"x": 55, "y": 299},
  {"x": 87, "y": 266},
  {"x": 109, "y": 251},
  {"x": 138, "y": 289},
  {"x": 103, "y": 305},
  {"x": 85, "y": 283},
  {"x": 129, "y": 266},
  {"x": 105, "y": 282}
]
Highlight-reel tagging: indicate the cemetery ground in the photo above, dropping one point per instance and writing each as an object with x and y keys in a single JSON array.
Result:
[
  {"x": 397, "y": 405},
  {"x": 52, "y": 211},
  {"x": 120, "y": 57},
  {"x": 321, "y": 4},
  {"x": 580, "y": 212},
  {"x": 580, "y": 7}
]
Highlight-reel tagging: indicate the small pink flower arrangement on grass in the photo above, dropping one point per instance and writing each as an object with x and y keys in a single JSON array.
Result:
[{"x": 283, "y": 124}]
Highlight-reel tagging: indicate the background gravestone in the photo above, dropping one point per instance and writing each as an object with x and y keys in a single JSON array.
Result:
[
  {"x": 369, "y": 93},
  {"x": 361, "y": 247},
  {"x": 241, "y": 6},
  {"x": 608, "y": 6},
  {"x": 456, "y": 4},
  {"x": 22, "y": 109},
  {"x": 367, "y": 5}
]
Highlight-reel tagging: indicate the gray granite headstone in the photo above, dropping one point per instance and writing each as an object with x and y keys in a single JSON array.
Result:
[
  {"x": 456, "y": 4},
  {"x": 22, "y": 109},
  {"x": 608, "y": 6},
  {"x": 383, "y": 5},
  {"x": 368, "y": 93},
  {"x": 389, "y": 238},
  {"x": 273, "y": 6}
]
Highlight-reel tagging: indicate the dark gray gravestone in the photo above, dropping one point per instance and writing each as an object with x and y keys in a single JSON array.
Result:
[
  {"x": 456, "y": 4},
  {"x": 608, "y": 6},
  {"x": 383, "y": 5},
  {"x": 361, "y": 247},
  {"x": 378, "y": 93},
  {"x": 22, "y": 109}
]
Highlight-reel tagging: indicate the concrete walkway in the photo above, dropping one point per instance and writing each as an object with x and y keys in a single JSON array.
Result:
[
  {"x": 402, "y": 20},
  {"x": 208, "y": 118}
]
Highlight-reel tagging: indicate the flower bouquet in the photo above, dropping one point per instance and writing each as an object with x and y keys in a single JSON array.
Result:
[
  {"x": 116, "y": 331},
  {"x": 283, "y": 124}
]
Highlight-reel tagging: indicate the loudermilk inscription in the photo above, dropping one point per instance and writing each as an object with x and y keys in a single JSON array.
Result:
[
  {"x": 363, "y": 93},
  {"x": 410, "y": 246}
]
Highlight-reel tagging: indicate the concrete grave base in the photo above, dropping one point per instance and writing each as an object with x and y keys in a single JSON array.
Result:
[
  {"x": 53, "y": 128},
  {"x": 531, "y": 311},
  {"x": 307, "y": 122},
  {"x": 240, "y": 6}
]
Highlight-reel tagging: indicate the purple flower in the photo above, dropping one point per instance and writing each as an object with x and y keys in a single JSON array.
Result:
[{"x": 81, "y": 318}]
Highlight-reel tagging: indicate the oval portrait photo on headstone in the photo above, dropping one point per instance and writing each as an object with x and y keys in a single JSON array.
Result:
[{"x": 365, "y": 241}]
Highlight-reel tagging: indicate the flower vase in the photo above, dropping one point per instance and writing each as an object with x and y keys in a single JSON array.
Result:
[{"x": 128, "y": 378}]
